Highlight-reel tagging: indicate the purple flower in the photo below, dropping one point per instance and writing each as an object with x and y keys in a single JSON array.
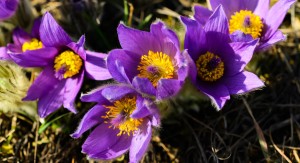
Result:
[
  {"x": 122, "y": 119},
  {"x": 25, "y": 43},
  {"x": 250, "y": 18},
  {"x": 64, "y": 64},
  {"x": 219, "y": 64},
  {"x": 150, "y": 61},
  {"x": 8, "y": 8}
]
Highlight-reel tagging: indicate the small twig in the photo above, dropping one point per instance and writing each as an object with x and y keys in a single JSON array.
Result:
[
  {"x": 36, "y": 140},
  {"x": 278, "y": 150},
  {"x": 262, "y": 140},
  {"x": 131, "y": 8},
  {"x": 295, "y": 152},
  {"x": 165, "y": 148}
]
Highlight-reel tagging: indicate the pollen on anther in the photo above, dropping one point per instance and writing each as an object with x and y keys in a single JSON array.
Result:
[
  {"x": 69, "y": 62},
  {"x": 118, "y": 115},
  {"x": 156, "y": 66},
  {"x": 210, "y": 67},
  {"x": 33, "y": 44},
  {"x": 246, "y": 22}
]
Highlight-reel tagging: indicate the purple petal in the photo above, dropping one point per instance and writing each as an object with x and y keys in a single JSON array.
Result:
[
  {"x": 51, "y": 33},
  {"x": 261, "y": 8},
  {"x": 195, "y": 38},
  {"x": 155, "y": 119},
  {"x": 167, "y": 88},
  {"x": 51, "y": 100},
  {"x": 103, "y": 143},
  {"x": 78, "y": 47},
  {"x": 277, "y": 11},
  {"x": 186, "y": 67},
  {"x": 72, "y": 88},
  {"x": 232, "y": 6},
  {"x": 90, "y": 119},
  {"x": 102, "y": 138},
  {"x": 218, "y": 93},
  {"x": 42, "y": 84},
  {"x": 141, "y": 110},
  {"x": 122, "y": 65},
  {"x": 20, "y": 37},
  {"x": 243, "y": 82},
  {"x": 136, "y": 41},
  {"x": 116, "y": 150},
  {"x": 116, "y": 91},
  {"x": 163, "y": 35},
  {"x": 218, "y": 23},
  {"x": 140, "y": 142},
  {"x": 95, "y": 66},
  {"x": 96, "y": 96},
  {"x": 13, "y": 48},
  {"x": 35, "y": 58},
  {"x": 35, "y": 31},
  {"x": 143, "y": 85},
  {"x": 239, "y": 36},
  {"x": 277, "y": 37},
  {"x": 229, "y": 6},
  {"x": 202, "y": 14},
  {"x": 3, "y": 54},
  {"x": 243, "y": 52},
  {"x": 8, "y": 8},
  {"x": 81, "y": 41}
]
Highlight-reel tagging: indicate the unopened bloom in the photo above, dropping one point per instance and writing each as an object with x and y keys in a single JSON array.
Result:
[
  {"x": 219, "y": 64},
  {"x": 122, "y": 119},
  {"x": 150, "y": 61},
  {"x": 8, "y": 8},
  {"x": 13, "y": 87},
  {"x": 64, "y": 65},
  {"x": 250, "y": 19}
]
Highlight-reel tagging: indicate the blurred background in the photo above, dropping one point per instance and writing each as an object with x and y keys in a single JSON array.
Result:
[{"x": 263, "y": 126}]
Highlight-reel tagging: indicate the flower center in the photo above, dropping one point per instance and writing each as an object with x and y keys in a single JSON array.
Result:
[
  {"x": 119, "y": 116},
  {"x": 67, "y": 64},
  {"x": 210, "y": 67},
  {"x": 247, "y": 22},
  {"x": 33, "y": 44},
  {"x": 156, "y": 66}
]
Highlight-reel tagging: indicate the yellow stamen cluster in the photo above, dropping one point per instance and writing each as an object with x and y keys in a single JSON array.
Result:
[
  {"x": 156, "y": 66},
  {"x": 33, "y": 44},
  {"x": 207, "y": 70},
  {"x": 69, "y": 61},
  {"x": 123, "y": 108},
  {"x": 247, "y": 22}
]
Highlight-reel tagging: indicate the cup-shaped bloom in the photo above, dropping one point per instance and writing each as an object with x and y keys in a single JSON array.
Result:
[
  {"x": 63, "y": 61},
  {"x": 219, "y": 64},
  {"x": 24, "y": 42},
  {"x": 150, "y": 61},
  {"x": 250, "y": 19},
  {"x": 122, "y": 119},
  {"x": 8, "y": 8}
]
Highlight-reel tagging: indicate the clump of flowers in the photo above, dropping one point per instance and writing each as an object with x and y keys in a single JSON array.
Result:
[
  {"x": 250, "y": 19},
  {"x": 64, "y": 64},
  {"x": 219, "y": 64},
  {"x": 151, "y": 61},
  {"x": 123, "y": 120},
  {"x": 149, "y": 68}
]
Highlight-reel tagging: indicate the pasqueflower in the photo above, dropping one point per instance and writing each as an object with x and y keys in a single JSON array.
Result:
[
  {"x": 219, "y": 64},
  {"x": 250, "y": 19},
  {"x": 122, "y": 119},
  {"x": 150, "y": 61},
  {"x": 64, "y": 64},
  {"x": 8, "y": 8}
]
